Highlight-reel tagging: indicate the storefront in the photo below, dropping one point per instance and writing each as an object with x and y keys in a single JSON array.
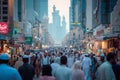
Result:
[
  {"x": 113, "y": 42},
  {"x": 100, "y": 42},
  {"x": 4, "y": 43},
  {"x": 4, "y": 46}
]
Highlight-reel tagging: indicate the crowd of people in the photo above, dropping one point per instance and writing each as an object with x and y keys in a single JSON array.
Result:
[{"x": 60, "y": 64}]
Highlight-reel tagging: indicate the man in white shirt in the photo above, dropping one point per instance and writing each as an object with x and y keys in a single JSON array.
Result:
[
  {"x": 55, "y": 64},
  {"x": 86, "y": 65},
  {"x": 45, "y": 59},
  {"x": 63, "y": 72},
  {"x": 105, "y": 71}
]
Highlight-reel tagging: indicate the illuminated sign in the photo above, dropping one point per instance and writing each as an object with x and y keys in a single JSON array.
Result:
[{"x": 3, "y": 27}]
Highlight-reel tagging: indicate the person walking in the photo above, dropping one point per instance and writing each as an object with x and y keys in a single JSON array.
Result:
[
  {"x": 37, "y": 66},
  {"x": 105, "y": 71},
  {"x": 63, "y": 72},
  {"x": 7, "y": 72},
  {"x": 26, "y": 71},
  {"x": 55, "y": 64},
  {"x": 45, "y": 59},
  {"x": 18, "y": 63},
  {"x": 47, "y": 73},
  {"x": 77, "y": 73},
  {"x": 86, "y": 66}
]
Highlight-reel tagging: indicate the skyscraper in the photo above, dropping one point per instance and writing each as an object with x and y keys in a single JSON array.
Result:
[
  {"x": 43, "y": 8},
  {"x": 57, "y": 30},
  {"x": 77, "y": 18},
  {"x": 4, "y": 10}
]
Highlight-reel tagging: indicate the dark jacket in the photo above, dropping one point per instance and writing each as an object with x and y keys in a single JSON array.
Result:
[
  {"x": 116, "y": 69},
  {"x": 26, "y": 71}
]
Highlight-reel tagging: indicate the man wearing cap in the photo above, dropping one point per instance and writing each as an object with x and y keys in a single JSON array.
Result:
[
  {"x": 26, "y": 71},
  {"x": 7, "y": 72},
  {"x": 86, "y": 65},
  {"x": 105, "y": 71}
]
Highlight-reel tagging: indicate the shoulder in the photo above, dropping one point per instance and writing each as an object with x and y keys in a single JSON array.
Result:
[{"x": 12, "y": 70}]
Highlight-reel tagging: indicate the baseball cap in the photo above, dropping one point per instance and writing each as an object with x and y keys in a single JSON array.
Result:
[{"x": 4, "y": 56}]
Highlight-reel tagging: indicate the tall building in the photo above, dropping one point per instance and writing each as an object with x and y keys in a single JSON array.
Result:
[
  {"x": 6, "y": 23},
  {"x": 19, "y": 10},
  {"x": 64, "y": 25},
  {"x": 57, "y": 30},
  {"x": 115, "y": 19},
  {"x": 3, "y": 16},
  {"x": 101, "y": 15},
  {"x": 83, "y": 14},
  {"x": 30, "y": 13},
  {"x": 88, "y": 15},
  {"x": 4, "y": 10},
  {"x": 77, "y": 20},
  {"x": 56, "y": 23},
  {"x": 6, "y": 15},
  {"x": 43, "y": 8}
]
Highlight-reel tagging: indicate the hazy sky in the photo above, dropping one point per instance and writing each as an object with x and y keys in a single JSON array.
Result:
[{"x": 62, "y": 6}]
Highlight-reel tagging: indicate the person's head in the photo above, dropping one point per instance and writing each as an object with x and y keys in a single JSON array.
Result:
[
  {"x": 25, "y": 58},
  {"x": 86, "y": 55},
  {"x": 76, "y": 65},
  {"x": 102, "y": 57},
  {"x": 57, "y": 60},
  {"x": 60, "y": 54},
  {"x": 63, "y": 60},
  {"x": 4, "y": 58},
  {"x": 46, "y": 70},
  {"x": 111, "y": 57}
]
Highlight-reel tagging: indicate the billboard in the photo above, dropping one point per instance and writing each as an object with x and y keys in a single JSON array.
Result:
[{"x": 3, "y": 28}]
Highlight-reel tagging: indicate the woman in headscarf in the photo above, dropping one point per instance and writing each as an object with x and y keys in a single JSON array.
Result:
[{"x": 77, "y": 73}]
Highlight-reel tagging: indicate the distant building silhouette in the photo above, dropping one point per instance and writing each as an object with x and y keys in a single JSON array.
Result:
[{"x": 57, "y": 30}]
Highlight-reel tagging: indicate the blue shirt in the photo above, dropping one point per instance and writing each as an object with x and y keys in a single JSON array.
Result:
[{"x": 8, "y": 73}]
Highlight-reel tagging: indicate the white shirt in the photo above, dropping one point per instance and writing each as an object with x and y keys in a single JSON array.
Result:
[
  {"x": 45, "y": 60},
  {"x": 70, "y": 61},
  {"x": 54, "y": 67},
  {"x": 86, "y": 63}
]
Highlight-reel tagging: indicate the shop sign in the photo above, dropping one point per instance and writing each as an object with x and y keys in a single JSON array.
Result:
[
  {"x": 3, "y": 27},
  {"x": 100, "y": 32},
  {"x": 28, "y": 40}
]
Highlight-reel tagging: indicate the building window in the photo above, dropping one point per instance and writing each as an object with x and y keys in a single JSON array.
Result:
[
  {"x": 5, "y": 18},
  {"x": 5, "y": 8},
  {"x": 5, "y": 12},
  {"x": 5, "y": 2}
]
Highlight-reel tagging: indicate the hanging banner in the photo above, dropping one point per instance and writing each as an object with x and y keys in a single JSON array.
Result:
[{"x": 3, "y": 28}]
